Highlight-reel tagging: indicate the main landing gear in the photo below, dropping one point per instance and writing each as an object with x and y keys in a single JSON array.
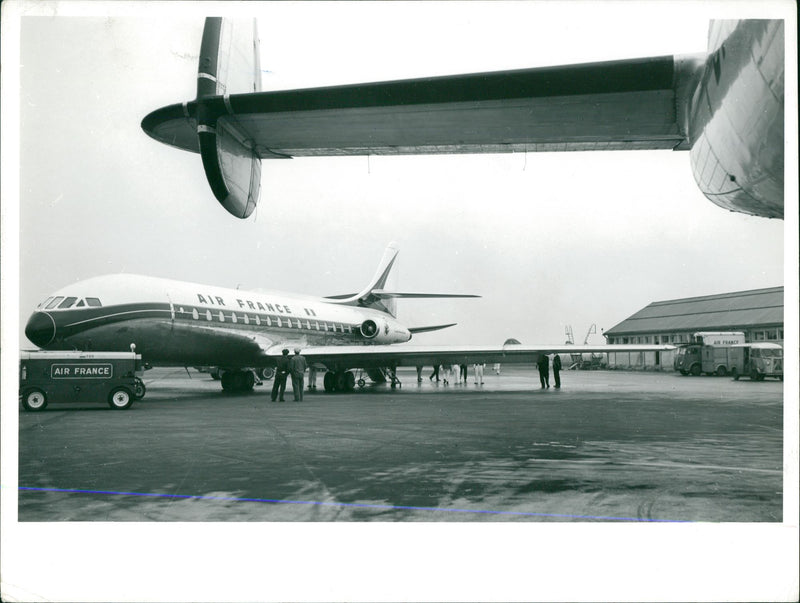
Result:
[
  {"x": 238, "y": 381},
  {"x": 339, "y": 381},
  {"x": 345, "y": 381}
]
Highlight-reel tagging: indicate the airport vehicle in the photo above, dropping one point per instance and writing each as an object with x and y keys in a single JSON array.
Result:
[
  {"x": 175, "y": 323},
  {"x": 725, "y": 106},
  {"x": 757, "y": 361},
  {"x": 708, "y": 352},
  {"x": 48, "y": 376}
]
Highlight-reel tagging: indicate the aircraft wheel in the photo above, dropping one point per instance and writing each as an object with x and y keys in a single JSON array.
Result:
[
  {"x": 248, "y": 381},
  {"x": 266, "y": 373},
  {"x": 139, "y": 390},
  {"x": 361, "y": 383},
  {"x": 120, "y": 398},
  {"x": 34, "y": 399},
  {"x": 340, "y": 381},
  {"x": 349, "y": 381},
  {"x": 329, "y": 382},
  {"x": 695, "y": 370},
  {"x": 238, "y": 381}
]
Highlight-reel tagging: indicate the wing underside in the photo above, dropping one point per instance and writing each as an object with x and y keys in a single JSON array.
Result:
[{"x": 615, "y": 105}]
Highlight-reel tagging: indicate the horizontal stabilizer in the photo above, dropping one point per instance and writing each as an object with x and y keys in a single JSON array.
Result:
[
  {"x": 393, "y": 295},
  {"x": 381, "y": 294},
  {"x": 428, "y": 329}
]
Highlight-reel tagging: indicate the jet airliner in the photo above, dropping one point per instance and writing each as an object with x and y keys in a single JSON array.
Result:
[
  {"x": 175, "y": 323},
  {"x": 725, "y": 106}
]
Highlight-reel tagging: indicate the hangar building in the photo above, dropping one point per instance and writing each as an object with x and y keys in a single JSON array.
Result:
[{"x": 758, "y": 313}]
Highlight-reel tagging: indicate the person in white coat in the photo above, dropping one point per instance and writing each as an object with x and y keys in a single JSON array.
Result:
[{"x": 479, "y": 374}]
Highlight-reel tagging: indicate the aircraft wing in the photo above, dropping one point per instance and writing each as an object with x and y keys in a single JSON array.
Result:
[
  {"x": 233, "y": 347},
  {"x": 628, "y": 104},
  {"x": 381, "y": 356}
]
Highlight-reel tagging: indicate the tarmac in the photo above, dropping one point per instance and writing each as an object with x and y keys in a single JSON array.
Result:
[{"x": 609, "y": 446}]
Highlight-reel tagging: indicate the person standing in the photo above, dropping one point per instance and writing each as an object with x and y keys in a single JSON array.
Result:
[
  {"x": 312, "y": 377},
  {"x": 298, "y": 367},
  {"x": 419, "y": 373},
  {"x": 556, "y": 369},
  {"x": 544, "y": 370},
  {"x": 281, "y": 370},
  {"x": 463, "y": 369},
  {"x": 435, "y": 373},
  {"x": 478, "y": 374},
  {"x": 454, "y": 374}
]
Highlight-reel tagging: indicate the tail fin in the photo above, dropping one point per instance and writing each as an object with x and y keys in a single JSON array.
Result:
[
  {"x": 229, "y": 63},
  {"x": 377, "y": 297}
]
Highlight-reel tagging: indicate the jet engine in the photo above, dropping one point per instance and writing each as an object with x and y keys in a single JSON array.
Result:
[{"x": 370, "y": 329}]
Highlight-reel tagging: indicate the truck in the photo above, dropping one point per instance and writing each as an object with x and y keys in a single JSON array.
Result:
[
  {"x": 112, "y": 377},
  {"x": 757, "y": 361},
  {"x": 707, "y": 352}
]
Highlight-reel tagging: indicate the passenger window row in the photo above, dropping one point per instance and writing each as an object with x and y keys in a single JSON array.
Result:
[{"x": 267, "y": 320}]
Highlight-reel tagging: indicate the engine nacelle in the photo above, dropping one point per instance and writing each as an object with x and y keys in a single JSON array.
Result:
[
  {"x": 737, "y": 122},
  {"x": 370, "y": 329},
  {"x": 381, "y": 331}
]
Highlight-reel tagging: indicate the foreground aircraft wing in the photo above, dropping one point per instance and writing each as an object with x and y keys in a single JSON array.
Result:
[
  {"x": 382, "y": 356},
  {"x": 629, "y": 104}
]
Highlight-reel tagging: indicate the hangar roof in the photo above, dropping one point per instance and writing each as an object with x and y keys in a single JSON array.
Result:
[{"x": 724, "y": 312}]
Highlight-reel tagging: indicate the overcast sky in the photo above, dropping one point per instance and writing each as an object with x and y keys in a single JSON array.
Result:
[{"x": 549, "y": 240}]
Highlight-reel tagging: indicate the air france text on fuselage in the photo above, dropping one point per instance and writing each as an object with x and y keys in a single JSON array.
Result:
[{"x": 216, "y": 300}]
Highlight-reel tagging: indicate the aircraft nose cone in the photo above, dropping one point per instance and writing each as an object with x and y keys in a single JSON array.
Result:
[{"x": 41, "y": 329}]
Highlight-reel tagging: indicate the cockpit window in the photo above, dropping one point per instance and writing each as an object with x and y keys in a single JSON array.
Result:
[
  {"x": 55, "y": 302},
  {"x": 67, "y": 303},
  {"x": 80, "y": 304},
  {"x": 93, "y": 302},
  {"x": 45, "y": 302}
]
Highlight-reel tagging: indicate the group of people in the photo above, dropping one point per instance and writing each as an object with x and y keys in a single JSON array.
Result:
[
  {"x": 457, "y": 373},
  {"x": 544, "y": 370},
  {"x": 294, "y": 366}
]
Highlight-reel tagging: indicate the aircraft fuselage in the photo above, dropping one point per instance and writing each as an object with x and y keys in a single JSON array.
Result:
[{"x": 182, "y": 323}]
